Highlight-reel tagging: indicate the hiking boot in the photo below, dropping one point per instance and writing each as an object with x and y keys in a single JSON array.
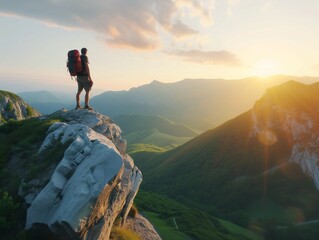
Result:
[
  {"x": 88, "y": 107},
  {"x": 78, "y": 107}
]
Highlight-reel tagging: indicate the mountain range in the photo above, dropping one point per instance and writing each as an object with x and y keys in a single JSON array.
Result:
[{"x": 198, "y": 103}]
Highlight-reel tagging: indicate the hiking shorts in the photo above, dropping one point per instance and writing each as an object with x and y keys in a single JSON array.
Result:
[{"x": 83, "y": 82}]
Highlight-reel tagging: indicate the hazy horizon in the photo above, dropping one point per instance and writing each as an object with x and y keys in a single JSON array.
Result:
[{"x": 33, "y": 85}]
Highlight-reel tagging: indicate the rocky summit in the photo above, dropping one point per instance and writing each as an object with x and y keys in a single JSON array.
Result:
[
  {"x": 14, "y": 107},
  {"x": 292, "y": 109},
  {"x": 94, "y": 184}
]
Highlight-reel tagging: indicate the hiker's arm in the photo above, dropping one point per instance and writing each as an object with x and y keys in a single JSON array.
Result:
[{"x": 88, "y": 70}]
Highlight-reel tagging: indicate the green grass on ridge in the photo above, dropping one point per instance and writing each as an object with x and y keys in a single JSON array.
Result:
[{"x": 165, "y": 213}]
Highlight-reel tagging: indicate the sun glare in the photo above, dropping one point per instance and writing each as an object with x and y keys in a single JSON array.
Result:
[{"x": 265, "y": 68}]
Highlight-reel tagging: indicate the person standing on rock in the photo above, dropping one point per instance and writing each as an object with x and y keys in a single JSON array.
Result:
[{"x": 84, "y": 81}]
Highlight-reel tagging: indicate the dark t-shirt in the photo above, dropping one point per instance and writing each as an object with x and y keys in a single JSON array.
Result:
[{"x": 84, "y": 59}]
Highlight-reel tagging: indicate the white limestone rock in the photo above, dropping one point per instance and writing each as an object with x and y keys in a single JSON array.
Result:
[
  {"x": 94, "y": 183},
  {"x": 98, "y": 123}
]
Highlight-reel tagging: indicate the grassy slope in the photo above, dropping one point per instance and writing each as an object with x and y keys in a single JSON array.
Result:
[
  {"x": 161, "y": 210},
  {"x": 11, "y": 95},
  {"x": 20, "y": 141},
  {"x": 133, "y": 123},
  {"x": 155, "y": 137},
  {"x": 144, "y": 149},
  {"x": 239, "y": 231},
  {"x": 152, "y": 133},
  {"x": 164, "y": 229}
]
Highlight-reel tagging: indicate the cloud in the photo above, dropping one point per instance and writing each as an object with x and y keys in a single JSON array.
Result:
[
  {"x": 231, "y": 5},
  {"x": 203, "y": 8},
  {"x": 179, "y": 29},
  {"x": 208, "y": 57},
  {"x": 123, "y": 23}
]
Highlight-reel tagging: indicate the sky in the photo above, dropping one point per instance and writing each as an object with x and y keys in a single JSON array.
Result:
[{"x": 133, "y": 42}]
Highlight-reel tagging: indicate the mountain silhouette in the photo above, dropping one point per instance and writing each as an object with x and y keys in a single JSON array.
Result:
[{"x": 199, "y": 103}]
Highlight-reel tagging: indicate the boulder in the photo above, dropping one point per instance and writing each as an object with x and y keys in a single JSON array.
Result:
[
  {"x": 95, "y": 182},
  {"x": 142, "y": 227}
]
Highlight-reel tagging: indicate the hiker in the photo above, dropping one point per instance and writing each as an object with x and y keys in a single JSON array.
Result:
[{"x": 84, "y": 81}]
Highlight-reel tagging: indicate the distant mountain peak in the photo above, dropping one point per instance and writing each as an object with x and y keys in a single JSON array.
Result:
[
  {"x": 290, "y": 84},
  {"x": 13, "y": 107},
  {"x": 156, "y": 82},
  {"x": 291, "y": 108}
]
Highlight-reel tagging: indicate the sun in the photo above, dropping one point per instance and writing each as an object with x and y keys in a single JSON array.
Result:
[{"x": 265, "y": 68}]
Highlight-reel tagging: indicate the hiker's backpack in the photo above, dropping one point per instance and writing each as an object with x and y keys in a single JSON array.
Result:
[{"x": 74, "y": 64}]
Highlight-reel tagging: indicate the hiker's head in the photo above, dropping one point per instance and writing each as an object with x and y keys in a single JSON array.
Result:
[{"x": 84, "y": 50}]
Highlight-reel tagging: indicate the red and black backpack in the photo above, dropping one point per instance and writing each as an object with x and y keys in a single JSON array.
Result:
[{"x": 74, "y": 64}]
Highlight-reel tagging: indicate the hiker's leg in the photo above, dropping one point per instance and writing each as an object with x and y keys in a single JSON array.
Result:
[
  {"x": 80, "y": 88},
  {"x": 87, "y": 97},
  {"x": 78, "y": 98}
]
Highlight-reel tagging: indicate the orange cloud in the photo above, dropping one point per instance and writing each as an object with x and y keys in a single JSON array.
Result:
[
  {"x": 207, "y": 57},
  {"x": 123, "y": 23}
]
